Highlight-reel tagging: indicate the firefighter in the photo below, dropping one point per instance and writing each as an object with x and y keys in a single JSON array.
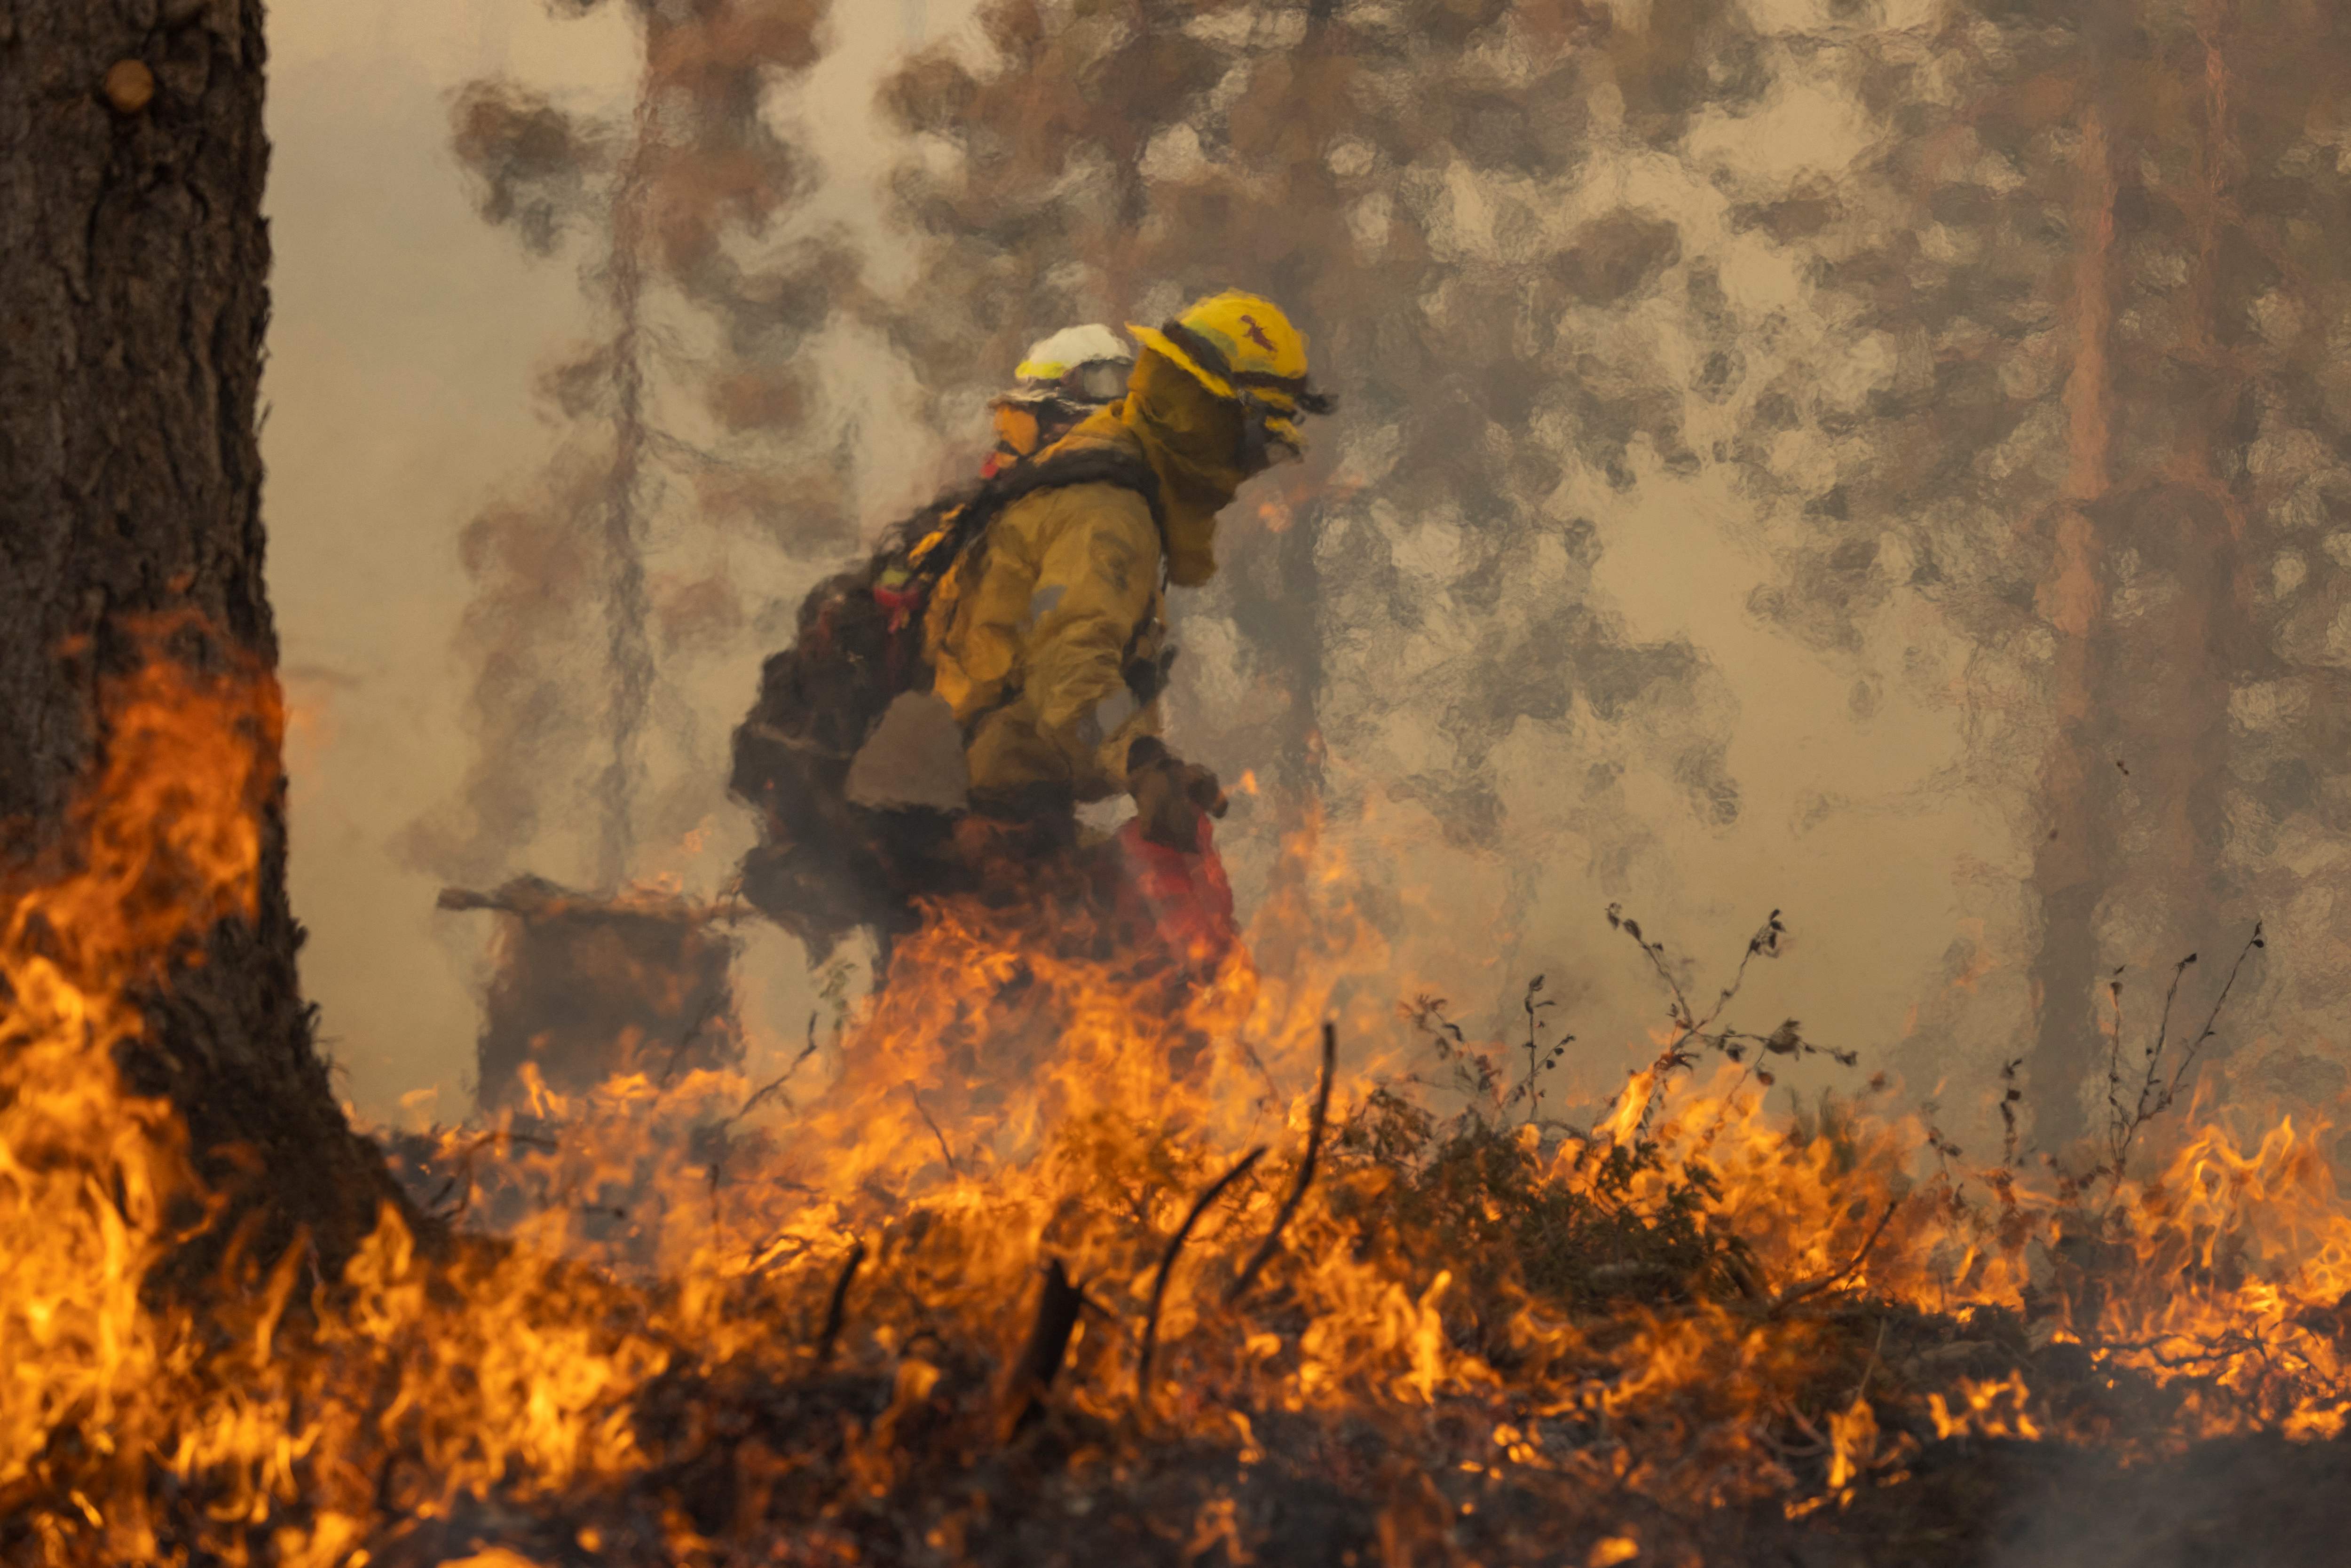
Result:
[
  {"x": 1047, "y": 639},
  {"x": 1058, "y": 382},
  {"x": 998, "y": 662}
]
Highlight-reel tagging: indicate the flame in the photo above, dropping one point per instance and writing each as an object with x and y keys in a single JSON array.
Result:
[
  {"x": 1979, "y": 1412},
  {"x": 1026, "y": 1095}
]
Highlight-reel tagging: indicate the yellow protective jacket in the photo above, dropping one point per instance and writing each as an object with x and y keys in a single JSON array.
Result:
[{"x": 1032, "y": 634}]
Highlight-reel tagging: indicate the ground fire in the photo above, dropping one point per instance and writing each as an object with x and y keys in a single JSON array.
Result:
[{"x": 985, "y": 1279}]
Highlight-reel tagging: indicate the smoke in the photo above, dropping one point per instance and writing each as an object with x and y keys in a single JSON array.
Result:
[
  {"x": 1409, "y": 622},
  {"x": 673, "y": 211},
  {"x": 1719, "y": 385},
  {"x": 1809, "y": 294}
]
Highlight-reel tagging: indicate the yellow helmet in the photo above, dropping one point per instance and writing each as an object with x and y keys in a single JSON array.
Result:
[{"x": 1242, "y": 347}]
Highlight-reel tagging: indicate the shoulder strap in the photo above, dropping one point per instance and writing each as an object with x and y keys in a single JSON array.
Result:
[{"x": 1054, "y": 471}]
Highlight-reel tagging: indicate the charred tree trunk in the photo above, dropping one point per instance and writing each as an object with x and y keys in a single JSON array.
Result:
[{"x": 133, "y": 264}]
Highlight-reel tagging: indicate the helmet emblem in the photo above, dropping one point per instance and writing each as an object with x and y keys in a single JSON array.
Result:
[{"x": 1257, "y": 334}]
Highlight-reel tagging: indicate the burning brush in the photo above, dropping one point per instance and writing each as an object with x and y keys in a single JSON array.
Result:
[{"x": 991, "y": 1279}]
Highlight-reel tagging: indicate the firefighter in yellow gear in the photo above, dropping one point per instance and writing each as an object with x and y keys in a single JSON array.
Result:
[{"x": 1047, "y": 638}]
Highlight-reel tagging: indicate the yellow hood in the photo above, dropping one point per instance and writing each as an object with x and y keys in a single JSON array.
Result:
[{"x": 1192, "y": 440}]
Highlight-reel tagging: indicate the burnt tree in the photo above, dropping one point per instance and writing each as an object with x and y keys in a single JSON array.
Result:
[{"x": 133, "y": 268}]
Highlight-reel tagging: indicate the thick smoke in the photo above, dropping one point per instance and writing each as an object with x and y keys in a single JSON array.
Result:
[
  {"x": 1408, "y": 619},
  {"x": 2089, "y": 252}
]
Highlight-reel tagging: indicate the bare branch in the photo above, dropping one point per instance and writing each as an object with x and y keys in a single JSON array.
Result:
[
  {"x": 1167, "y": 1264},
  {"x": 2213, "y": 1017},
  {"x": 1800, "y": 1293},
  {"x": 1265, "y": 1249},
  {"x": 1765, "y": 940},
  {"x": 946, "y": 1153}
]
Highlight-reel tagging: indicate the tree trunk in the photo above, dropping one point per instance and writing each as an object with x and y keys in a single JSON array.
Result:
[
  {"x": 133, "y": 263},
  {"x": 2070, "y": 864},
  {"x": 2196, "y": 514}
]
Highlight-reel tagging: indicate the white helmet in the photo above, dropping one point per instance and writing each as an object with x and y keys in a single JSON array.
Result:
[{"x": 1086, "y": 366}]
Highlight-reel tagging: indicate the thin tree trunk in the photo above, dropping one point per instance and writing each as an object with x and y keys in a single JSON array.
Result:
[
  {"x": 2070, "y": 865},
  {"x": 2212, "y": 642},
  {"x": 133, "y": 266},
  {"x": 629, "y": 653}
]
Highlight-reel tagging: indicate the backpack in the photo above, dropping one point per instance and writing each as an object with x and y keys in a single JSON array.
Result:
[{"x": 825, "y": 864}]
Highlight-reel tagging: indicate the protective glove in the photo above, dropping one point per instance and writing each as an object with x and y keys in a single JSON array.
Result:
[{"x": 1171, "y": 794}]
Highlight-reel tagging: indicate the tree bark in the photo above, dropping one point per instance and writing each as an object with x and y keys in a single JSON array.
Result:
[{"x": 133, "y": 268}]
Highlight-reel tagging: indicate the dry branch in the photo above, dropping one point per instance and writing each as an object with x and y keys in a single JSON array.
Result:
[
  {"x": 1795, "y": 1293},
  {"x": 924, "y": 1111},
  {"x": 1167, "y": 1263},
  {"x": 1265, "y": 1250}
]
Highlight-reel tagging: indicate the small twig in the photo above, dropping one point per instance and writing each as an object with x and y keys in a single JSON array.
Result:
[
  {"x": 837, "y": 1307},
  {"x": 1272, "y": 1090},
  {"x": 1766, "y": 940},
  {"x": 777, "y": 1084},
  {"x": 1265, "y": 1249},
  {"x": 1861, "y": 1390},
  {"x": 693, "y": 1032},
  {"x": 2153, "y": 1101},
  {"x": 766, "y": 1253},
  {"x": 1167, "y": 1264},
  {"x": 2212, "y": 1019},
  {"x": 2162, "y": 1030},
  {"x": 924, "y": 1111},
  {"x": 1800, "y": 1293},
  {"x": 2116, "y": 1120},
  {"x": 1654, "y": 952}
]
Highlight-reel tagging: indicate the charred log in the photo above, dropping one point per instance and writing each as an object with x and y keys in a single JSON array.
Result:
[{"x": 1058, "y": 1305}]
